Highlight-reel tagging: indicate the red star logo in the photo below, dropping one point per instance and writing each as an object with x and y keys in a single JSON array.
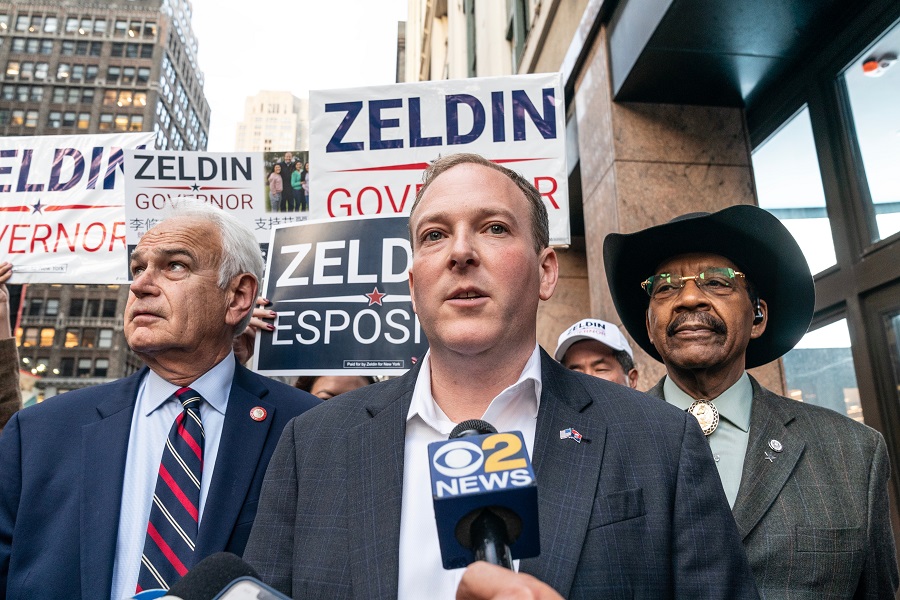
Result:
[{"x": 375, "y": 297}]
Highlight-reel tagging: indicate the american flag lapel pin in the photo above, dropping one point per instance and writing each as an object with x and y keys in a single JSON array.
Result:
[{"x": 570, "y": 434}]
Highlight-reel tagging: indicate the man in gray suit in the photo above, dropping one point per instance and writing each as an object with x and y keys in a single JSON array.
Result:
[
  {"x": 729, "y": 291},
  {"x": 626, "y": 505}
]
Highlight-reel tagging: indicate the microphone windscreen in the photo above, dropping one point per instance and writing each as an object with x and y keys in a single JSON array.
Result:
[
  {"x": 210, "y": 576},
  {"x": 472, "y": 427}
]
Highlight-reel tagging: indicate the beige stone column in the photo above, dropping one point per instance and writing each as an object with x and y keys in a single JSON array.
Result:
[{"x": 643, "y": 164}]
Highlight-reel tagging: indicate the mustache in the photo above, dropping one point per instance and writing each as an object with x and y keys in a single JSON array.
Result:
[{"x": 704, "y": 318}]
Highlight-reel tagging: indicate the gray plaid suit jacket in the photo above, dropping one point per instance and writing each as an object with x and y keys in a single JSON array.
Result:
[
  {"x": 814, "y": 518},
  {"x": 637, "y": 512}
]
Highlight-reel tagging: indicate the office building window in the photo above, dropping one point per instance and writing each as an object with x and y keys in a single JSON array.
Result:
[
  {"x": 76, "y": 307},
  {"x": 105, "y": 339},
  {"x": 52, "y": 308},
  {"x": 71, "y": 24},
  {"x": 93, "y": 308},
  {"x": 84, "y": 368},
  {"x": 137, "y": 123},
  {"x": 68, "y": 119},
  {"x": 31, "y": 118},
  {"x": 101, "y": 367},
  {"x": 872, "y": 83},
  {"x": 51, "y": 24},
  {"x": 109, "y": 308},
  {"x": 54, "y": 119},
  {"x": 18, "y": 117},
  {"x": 47, "y": 335},
  {"x": 88, "y": 338},
  {"x": 12, "y": 68},
  {"x": 73, "y": 335},
  {"x": 121, "y": 123},
  {"x": 789, "y": 185},
  {"x": 106, "y": 122},
  {"x": 67, "y": 366},
  {"x": 84, "y": 120}
]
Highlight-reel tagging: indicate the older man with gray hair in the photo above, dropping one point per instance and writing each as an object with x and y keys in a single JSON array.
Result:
[{"x": 122, "y": 487}]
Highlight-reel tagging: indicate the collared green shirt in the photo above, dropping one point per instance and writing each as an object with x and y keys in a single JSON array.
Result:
[{"x": 729, "y": 441}]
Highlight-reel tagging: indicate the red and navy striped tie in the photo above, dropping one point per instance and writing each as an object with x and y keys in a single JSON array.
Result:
[{"x": 174, "y": 515}]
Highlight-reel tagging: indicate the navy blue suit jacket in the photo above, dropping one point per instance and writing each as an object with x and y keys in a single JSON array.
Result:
[
  {"x": 62, "y": 465},
  {"x": 637, "y": 512}
]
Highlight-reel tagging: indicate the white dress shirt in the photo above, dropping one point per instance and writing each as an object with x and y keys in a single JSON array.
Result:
[
  {"x": 421, "y": 573},
  {"x": 154, "y": 413}
]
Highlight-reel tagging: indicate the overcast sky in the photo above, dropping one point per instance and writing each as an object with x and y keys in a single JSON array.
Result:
[{"x": 246, "y": 46}]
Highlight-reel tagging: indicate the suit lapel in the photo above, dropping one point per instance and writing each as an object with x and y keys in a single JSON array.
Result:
[
  {"x": 765, "y": 470},
  {"x": 564, "y": 502},
  {"x": 240, "y": 449},
  {"x": 375, "y": 491},
  {"x": 104, "y": 450}
]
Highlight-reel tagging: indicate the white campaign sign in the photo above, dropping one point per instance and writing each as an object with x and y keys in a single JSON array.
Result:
[
  {"x": 369, "y": 146},
  {"x": 61, "y": 214}
]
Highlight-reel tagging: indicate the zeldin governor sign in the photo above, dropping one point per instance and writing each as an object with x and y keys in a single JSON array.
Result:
[{"x": 340, "y": 290}]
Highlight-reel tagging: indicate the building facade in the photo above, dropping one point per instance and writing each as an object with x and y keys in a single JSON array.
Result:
[
  {"x": 690, "y": 105},
  {"x": 79, "y": 67},
  {"x": 273, "y": 121}
]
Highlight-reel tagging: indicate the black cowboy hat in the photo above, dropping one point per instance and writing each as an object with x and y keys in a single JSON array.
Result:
[{"x": 752, "y": 238}]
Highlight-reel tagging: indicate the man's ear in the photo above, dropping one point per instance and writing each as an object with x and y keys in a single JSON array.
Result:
[
  {"x": 760, "y": 319},
  {"x": 549, "y": 265},
  {"x": 241, "y": 297}
]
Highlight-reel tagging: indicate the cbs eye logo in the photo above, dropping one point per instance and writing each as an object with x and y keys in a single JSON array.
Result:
[{"x": 458, "y": 459}]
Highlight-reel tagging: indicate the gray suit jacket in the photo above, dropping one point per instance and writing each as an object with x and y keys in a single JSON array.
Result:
[
  {"x": 637, "y": 512},
  {"x": 814, "y": 517}
]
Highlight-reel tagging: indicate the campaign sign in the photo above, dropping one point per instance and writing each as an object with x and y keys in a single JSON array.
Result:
[
  {"x": 341, "y": 293},
  {"x": 370, "y": 145},
  {"x": 472, "y": 472},
  {"x": 61, "y": 214}
]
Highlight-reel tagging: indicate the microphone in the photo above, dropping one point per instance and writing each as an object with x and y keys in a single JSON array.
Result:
[
  {"x": 221, "y": 575},
  {"x": 485, "y": 496}
]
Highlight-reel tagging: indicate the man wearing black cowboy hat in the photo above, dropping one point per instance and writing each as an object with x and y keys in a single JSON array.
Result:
[{"x": 711, "y": 295}]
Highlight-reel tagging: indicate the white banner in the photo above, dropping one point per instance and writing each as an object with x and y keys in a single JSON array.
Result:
[
  {"x": 61, "y": 213},
  {"x": 369, "y": 146}
]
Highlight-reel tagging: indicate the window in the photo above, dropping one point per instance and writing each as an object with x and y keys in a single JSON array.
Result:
[
  {"x": 46, "y": 47},
  {"x": 4, "y": 22},
  {"x": 27, "y": 70},
  {"x": 110, "y": 97},
  {"x": 106, "y": 121},
  {"x": 105, "y": 339},
  {"x": 77, "y": 73},
  {"x": 36, "y": 22},
  {"x": 32, "y": 45},
  {"x": 113, "y": 74},
  {"x": 67, "y": 366},
  {"x": 4, "y": 116},
  {"x": 31, "y": 118},
  {"x": 41, "y": 70},
  {"x": 96, "y": 48},
  {"x": 149, "y": 30},
  {"x": 789, "y": 185},
  {"x": 76, "y": 307},
  {"x": 121, "y": 28},
  {"x": 137, "y": 123},
  {"x": 128, "y": 75},
  {"x": 87, "y": 25},
  {"x": 143, "y": 75},
  {"x": 47, "y": 334},
  {"x": 63, "y": 70},
  {"x": 18, "y": 117},
  {"x": 54, "y": 119},
  {"x": 52, "y": 308},
  {"x": 37, "y": 93},
  {"x": 68, "y": 48},
  {"x": 118, "y": 49},
  {"x": 871, "y": 89},
  {"x": 69, "y": 119},
  {"x": 22, "y": 23},
  {"x": 34, "y": 306},
  {"x": 72, "y": 336},
  {"x": 84, "y": 120},
  {"x": 90, "y": 73},
  {"x": 93, "y": 308},
  {"x": 101, "y": 367},
  {"x": 84, "y": 368},
  {"x": 131, "y": 50},
  {"x": 71, "y": 25},
  {"x": 121, "y": 122},
  {"x": 18, "y": 45},
  {"x": 100, "y": 26},
  {"x": 12, "y": 68},
  {"x": 109, "y": 308},
  {"x": 8, "y": 92},
  {"x": 87, "y": 95},
  {"x": 30, "y": 338},
  {"x": 88, "y": 338},
  {"x": 146, "y": 51},
  {"x": 819, "y": 370},
  {"x": 125, "y": 98},
  {"x": 51, "y": 24}
]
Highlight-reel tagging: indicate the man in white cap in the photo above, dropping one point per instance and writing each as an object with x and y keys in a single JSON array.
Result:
[{"x": 597, "y": 348}]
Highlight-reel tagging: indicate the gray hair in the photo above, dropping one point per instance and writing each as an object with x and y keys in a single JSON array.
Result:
[
  {"x": 240, "y": 250},
  {"x": 540, "y": 220}
]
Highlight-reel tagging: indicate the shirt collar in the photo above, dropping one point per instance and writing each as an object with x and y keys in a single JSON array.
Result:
[
  {"x": 214, "y": 386},
  {"x": 521, "y": 399},
  {"x": 733, "y": 404}
]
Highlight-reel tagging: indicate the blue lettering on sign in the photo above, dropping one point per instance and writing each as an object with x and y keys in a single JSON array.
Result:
[
  {"x": 522, "y": 111},
  {"x": 62, "y": 156}
]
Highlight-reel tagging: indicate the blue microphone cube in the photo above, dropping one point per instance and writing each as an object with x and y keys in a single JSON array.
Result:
[{"x": 481, "y": 471}]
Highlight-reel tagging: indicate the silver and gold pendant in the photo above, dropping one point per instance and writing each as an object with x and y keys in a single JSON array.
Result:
[{"x": 706, "y": 414}]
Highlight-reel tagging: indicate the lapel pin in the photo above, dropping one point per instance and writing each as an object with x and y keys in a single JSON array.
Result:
[
  {"x": 258, "y": 413},
  {"x": 770, "y": 457},
  {"x": 570, "y": 434},
  {"x": 776, "y": 445}
]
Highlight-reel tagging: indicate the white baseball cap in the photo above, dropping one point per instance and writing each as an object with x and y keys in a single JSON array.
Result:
[{"x": 592, "y": 329}]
